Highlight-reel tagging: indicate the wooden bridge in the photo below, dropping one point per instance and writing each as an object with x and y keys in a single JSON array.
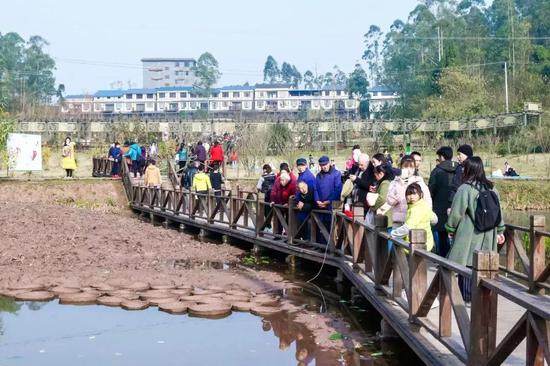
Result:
[{"x": 507, "y": 322}]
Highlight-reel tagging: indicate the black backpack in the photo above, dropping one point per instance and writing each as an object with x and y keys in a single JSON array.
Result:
[
  {"x": 267, "y": 184},
  {"x": 487, "y": 215}
]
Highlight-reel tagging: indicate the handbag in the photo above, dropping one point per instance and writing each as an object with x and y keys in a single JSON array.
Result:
[{"x": 371, "y": 198}]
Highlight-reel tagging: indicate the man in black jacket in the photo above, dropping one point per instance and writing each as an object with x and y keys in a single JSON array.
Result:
[
  {"x": 361, "y": 181},
  {"x": 441, "y": 184}
]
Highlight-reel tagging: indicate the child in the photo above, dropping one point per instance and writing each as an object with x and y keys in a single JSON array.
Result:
[
  {"x": 419, "y": 215},
  {"x": 151, "y": 178},
  {"x": 201, "y": 181},
  {"x": 305, "y": 204}
]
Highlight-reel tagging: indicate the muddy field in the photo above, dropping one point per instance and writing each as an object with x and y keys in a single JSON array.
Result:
[{"x": 80, "y": 234}]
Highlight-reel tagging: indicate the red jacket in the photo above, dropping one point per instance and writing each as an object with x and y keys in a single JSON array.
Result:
[
  {"x": 216, "y": 153},
  {"x": 280, "y": 194}
]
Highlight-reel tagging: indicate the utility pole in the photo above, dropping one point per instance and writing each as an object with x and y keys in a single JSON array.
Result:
[
  {"x": 439, "y": 45},
  {"x": 334, "y": 121},
  {"x": 506, "y": 86}
]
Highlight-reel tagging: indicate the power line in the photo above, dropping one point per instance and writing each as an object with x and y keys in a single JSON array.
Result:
[{"x": 470, "y": 38}]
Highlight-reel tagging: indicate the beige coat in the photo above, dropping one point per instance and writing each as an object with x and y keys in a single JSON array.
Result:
[{"x": 152, "y": 176}]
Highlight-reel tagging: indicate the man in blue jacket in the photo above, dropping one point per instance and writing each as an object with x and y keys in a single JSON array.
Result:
[
  {"x": 304, "y": 175},
  {"x": 328, "y": 188}
]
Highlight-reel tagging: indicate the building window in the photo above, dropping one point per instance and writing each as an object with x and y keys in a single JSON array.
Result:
[
  {"x": 247, "y": 94},
  {"x": 192, "y": 95},
  {"x": 236, "y": 95},
  {"x": 162, "y": 95},
  {"x": 128, "y": 96},
  {"x": 259, "y": 104},
  {"x": 177, "y": 64},
  {"x": 183, "y": 95},
  {"x": 150, "y": 105},
  {"x": 225, "y": 95},
  {"x": 339, "y": 93},
  {"x": 327, "y": 93},
  {"x": 193, "y": 105},
  {"x": 215, "y": 95},
  {"x": 187, "y": 73},
  {"x": 139, "y": 96},
  {"x": 213, "y": 105},
  {"x": 167, "y": 76},
  {"x": 150, "y": 96},
  {"x": 327, "y": 103},
  {"x": 247, "y": 105},
  {"x": 225, "y": 104},
  {"x": 166, "y": 67},
  {"x": 186, "y": 63},
  {"x": 183, "y": 105},
  {"x": 172, "y": 95},
  {"x": 272, "y": 94}
]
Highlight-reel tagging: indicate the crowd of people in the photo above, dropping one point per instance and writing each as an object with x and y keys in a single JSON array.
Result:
[{"x": 457, "y": 206}]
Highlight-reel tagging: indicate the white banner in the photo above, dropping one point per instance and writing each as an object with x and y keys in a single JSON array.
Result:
[{"x": 25, "y": 151}]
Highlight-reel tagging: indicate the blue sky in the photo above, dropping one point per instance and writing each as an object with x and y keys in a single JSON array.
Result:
[{"x": 99, "y": 42}]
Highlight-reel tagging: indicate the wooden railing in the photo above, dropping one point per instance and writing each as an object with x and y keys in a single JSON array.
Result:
[
  {"x": 101, "y": 167},
  {"x": 404, "y": 267}
]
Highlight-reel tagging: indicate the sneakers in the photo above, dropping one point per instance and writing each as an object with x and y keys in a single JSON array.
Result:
[{"x": 268, "y": 230}]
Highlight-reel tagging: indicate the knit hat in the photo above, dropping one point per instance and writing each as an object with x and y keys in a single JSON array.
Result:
[
  {"x": 324, "y": 160},
  {"x": 301, "y": 161},
  {"x": 466, "y": 150}
]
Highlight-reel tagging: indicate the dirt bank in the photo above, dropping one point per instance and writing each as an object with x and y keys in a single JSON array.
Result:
[{"x": 46, "y": 238}]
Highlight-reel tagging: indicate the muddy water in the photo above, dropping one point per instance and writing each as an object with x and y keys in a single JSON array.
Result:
[{"x": 53, "y": 334}]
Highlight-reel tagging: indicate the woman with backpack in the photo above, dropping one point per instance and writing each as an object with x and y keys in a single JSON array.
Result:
[
  {"x": 475, "y": 221},
  {"x": 265, "y": 185}
]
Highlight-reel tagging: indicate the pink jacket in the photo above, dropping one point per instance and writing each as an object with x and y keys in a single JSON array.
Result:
[{"x": 396, "y": 196}]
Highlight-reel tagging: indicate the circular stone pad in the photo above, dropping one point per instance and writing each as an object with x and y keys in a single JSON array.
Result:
[
  {"x": 35, "y": 296},
  {"x": 80, "y": 298},
  {"x": 134, "y": 305},
  {"x": 210, "y": 310}
]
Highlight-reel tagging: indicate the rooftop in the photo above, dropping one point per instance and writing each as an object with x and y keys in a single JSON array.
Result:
[{"x": 167, "y": 59}]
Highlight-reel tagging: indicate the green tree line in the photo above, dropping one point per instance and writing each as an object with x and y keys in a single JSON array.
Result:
[
  {"x": 447, "y": 59},
  {"x": 26, "y": 73}
]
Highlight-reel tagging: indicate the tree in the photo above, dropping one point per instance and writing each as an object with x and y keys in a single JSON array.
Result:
[
  {"x": 296, "y": 77},
  {"x": 207, "y": 71},
  {"x": 309, "y": 79},
  {"x": 59, "y": 93},
  {"x": 340, "y": 77},
  {"x": 286, "y": 73},
  {"x": 358, "y": 82},
  {"x": 271, "y": 70},
  {"x": 372, "y": 54}
]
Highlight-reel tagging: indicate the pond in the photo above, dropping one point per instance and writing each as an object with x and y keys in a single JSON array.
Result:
[
  {"x": 522, "y": 217},
  {"x": 52, "y": 334}
]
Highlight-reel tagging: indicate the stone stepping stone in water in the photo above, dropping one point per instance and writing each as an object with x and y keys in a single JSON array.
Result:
[
  {"x": 264, "y": 310},
  {"x": 210, "y": 310},
  {"x": 80, "y": 298},
  {"x": 242, "y": 306},
  {"x": 134, "y": 305},
  {"x": 110, "y": 300},
  {"x": 203, "y": 299},
  {"x": 234, "y": 298},
  {"x": 35, "y": 296},
  {"x": 28, "y": 287},
  {"x": 138, "y": 286},
  {"x": 180, "y": 292},
  {"x": 104, "y": 287},
  {"x": 178, "y": 307},
  {"x": 199, "y": 291},
  {"x": 126, "y": 294},
  {"x": 239, "y": 293},
  {"x": 166, "y": 300},
  {"x": 11, "y": 293},
  {"x": 265, "y": 301},
  {"x": 60, "y": 290},
  {"x": 155, "y": 294}
]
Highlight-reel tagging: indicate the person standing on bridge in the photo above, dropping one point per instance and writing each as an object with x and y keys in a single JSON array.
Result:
[
  {"x": 134, "y": 154},
  {"x": 116, "y": 155},
  {"x": 440, "y": 185},
  {"x": 305, "y": 175},
  {"x": 152, "y": 178},
  {"x": 216, "y": 154},
  {"x": 328, "y": 187},
  {"x": 469, "y": 228},
  {"x": 361, "y": 183},
  {"x": 464, "y": 152},
  {"x": 182, "y": 156},
  {"x": 396, "y": 199},
  {"x": 69, "y": 160},
  {"x": 265, "y": 185},
  {"x": 200, "y": 151},
  {"x": 283, "y": 189}
]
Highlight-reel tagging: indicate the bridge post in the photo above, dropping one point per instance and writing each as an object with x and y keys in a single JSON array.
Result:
[
  {"x": 418, "y": 271},
  {"x": 381, "y": 253},
  {"x": 537, "y": 252},
  {"x": 483, "y": 328},
  {"x": 181, "y": 228}
]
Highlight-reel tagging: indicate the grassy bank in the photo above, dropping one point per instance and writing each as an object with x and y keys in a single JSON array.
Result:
[{"x": 524, "y": 195}]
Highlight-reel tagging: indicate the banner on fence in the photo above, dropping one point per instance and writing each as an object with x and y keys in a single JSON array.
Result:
[{"x": 24, "y": 152}]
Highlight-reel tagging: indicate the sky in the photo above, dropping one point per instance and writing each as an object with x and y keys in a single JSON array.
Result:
[{"x": 100, "y": 42}]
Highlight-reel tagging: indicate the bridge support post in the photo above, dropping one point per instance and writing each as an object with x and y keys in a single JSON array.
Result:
[
  {"x": 226, "y": 239},
  {"x": 257, "y": 250},
  {"x": 291, "y": 261},
  {"x": 418, "y": 272},
  {"x": 203, "y": 233},
  {"x": 181, "y": 228},
  {"x": 152, "y": 218},
  {"x": 166, "y": 224},
  {"x": 339, "y": 276},
  {"x": 537, "y": 252},
  {"x": 483, "y": 328}
]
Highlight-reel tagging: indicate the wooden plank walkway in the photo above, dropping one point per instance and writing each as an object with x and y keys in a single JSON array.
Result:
[{"x": 507, "y": 322}]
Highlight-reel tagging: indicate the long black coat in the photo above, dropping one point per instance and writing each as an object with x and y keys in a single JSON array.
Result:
[{"x": 441, "y": 188}]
